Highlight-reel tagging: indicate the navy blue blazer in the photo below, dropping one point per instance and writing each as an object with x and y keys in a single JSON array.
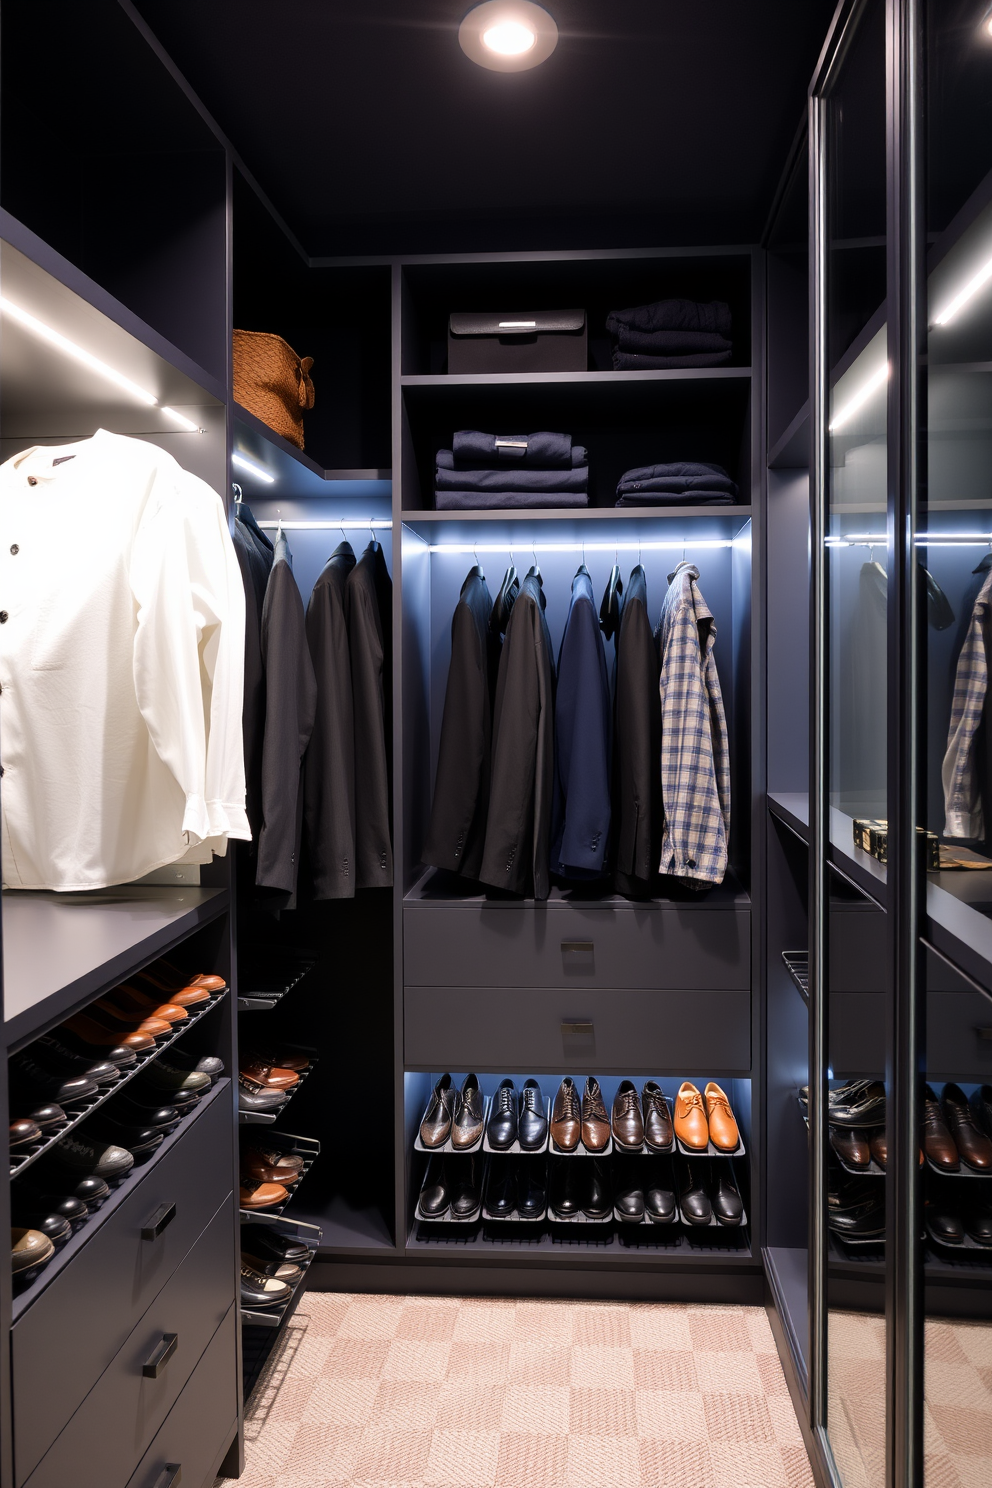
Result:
[{"x": 583, "y": 717}]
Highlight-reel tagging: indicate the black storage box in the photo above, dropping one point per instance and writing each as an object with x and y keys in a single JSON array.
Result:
[{"x": 518, "y": 341}]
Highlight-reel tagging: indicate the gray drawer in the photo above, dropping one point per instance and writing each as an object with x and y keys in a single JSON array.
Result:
[
  {"x": 636, "y": 1030},
  {"x": 113, "y": 1427},
  {"x": 959, "y": 1037},
  {"x": 203, "y": 1420},
  {"x": 66, "y": 1339},
  {"x": 554, "y": 945},
  {"x": 856, "y": 1035}
]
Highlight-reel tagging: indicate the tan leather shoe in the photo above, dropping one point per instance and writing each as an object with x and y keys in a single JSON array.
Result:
[
  {"x": 169, "y": 978},
  {"x": 691, "y": 1126},
  {"x": 723, "y": 1127},
  {"x": 94, "y": 1033},
  {"x": 566, "y": 1124},
  {"x": 120, "y": 1005},
  {"x": 262, "y": 1195},
  {"x": 256, "y": 1167},
  {"x": 153, "y": 1023},
  {"x": 130, "y": 995}
]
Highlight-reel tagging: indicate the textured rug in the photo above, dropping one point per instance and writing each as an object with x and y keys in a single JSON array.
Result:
[{"x": 438, "y": 1392}]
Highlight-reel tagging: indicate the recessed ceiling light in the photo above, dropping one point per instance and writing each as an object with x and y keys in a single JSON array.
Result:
[{"x": 508, "y": 35}]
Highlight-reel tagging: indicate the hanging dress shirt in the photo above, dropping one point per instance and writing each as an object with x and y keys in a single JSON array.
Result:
[
  {"x": 961, "y": 771},
  {"x": 518, "y": 830},
  {"x": 290, "y": 704},
  {"x": 329, "y": 765},
  {"x": 368, "y": 594},
  {"x": 121, "y": 665},
  {"x": 461, "y": 787},
  {"x": 695, "y": 758},
  {"x": 580, "y": 829}
]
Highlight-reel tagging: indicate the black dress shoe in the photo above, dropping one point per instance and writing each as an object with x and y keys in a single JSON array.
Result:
[
  {"x": 204, "y": 1064},
  {"x": 47, "y": 1116},
  {"x": 465, "y": 1188},
  {"x": 501, "y": 1191},
  {"x": 63, "y": 1205},
  {"x": 61, "y": 1193},
  {"x": 659, "y": 1203},
  {"x": 502, "y": 1128},
  {"x": 161, "y": 1118},
  {"x": 565, "y": 1189},
  {"x": 727, "y": 1203},
  {"x": 250, "y": 1098},
  {"x": 981, "y": 1105},
  {"x": 945, "y": 1226},
  {"x": 140, "y": 1141},
  {"x": 29, "y": 1076},
  {"x": 119, "y": 1054},
  {"x": 91, "y": 1157},
  {"x": 56, "y": 1226},
  {"x": 434, "y": 1194},
  {"x": 978, "y": 1223},
  {"x": 598, "y": 1200},
  {"x": 856, "y": 1208},
  {"x": 273, "y": 1244},
  {"x": 628, "y": 1201},
  {"x": 532, "y": 1124},
  {"x": 860, "y": 1103},
  {"x": 694, "y": 1201},
  {"x": 532, "y": 1197},
  {"x": 262, "y": 1291},
  {"x": 55, "y": 1054}
]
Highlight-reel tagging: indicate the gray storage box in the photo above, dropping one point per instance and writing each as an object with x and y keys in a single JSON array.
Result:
[{"x": 518, "y": 341}]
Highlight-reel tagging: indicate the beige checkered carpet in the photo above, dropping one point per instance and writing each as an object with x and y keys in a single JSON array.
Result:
[{"x": 428, "y": 1392}]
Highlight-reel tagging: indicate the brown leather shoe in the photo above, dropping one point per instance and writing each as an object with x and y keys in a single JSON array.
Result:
[
  {"x": 159, "y": 1020},
  {"x": 281, "y": 1058},
  {"x": 169, "y": 978},
  {"x": 657, "y": 1117},
  {"x": 94, "y": 1033},
  {"x": 289, "y": 1163},
  {"x": 566, "y": 1123},
  {"x": 262, "y": 1195},
  {"x": 880, "y": 1147},
  {"x": 691, "y": 1125},
  {"x": 267, "y": 1076},
  {"x": 851, "y": 1145},
  {"x": 435, "y": 1128},
  {"x": 466, "y": 1124},
  {"x": 723, "y": 1127},
  {"x": 938, "y": 1144},
  {"x": 259, "y": 1168},
  {"x": 973, "y": 1145},
  {"x": 595, "y": 1122},
  {"x": 628, "y": 1124},
  {"x": 22, "y": 1130},
  {"x": 129, "y": 996}
]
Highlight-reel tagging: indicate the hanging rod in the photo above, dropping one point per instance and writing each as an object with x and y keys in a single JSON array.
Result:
[
  {"x": 362, "y": 526},
  {"x": 922, "y": 540},
  {"x": 523, "y": 546}
]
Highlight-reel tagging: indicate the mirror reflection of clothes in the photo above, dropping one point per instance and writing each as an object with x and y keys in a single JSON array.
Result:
[{"x": 964, "y": 770}]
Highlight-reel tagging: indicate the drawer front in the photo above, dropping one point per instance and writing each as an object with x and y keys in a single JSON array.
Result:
[
  {"x": 503, "y": 945},
  {"x": 959, "y": 1037},
  {"x": 115, "y": 1424},
  {"x": 549, "y": 1030},
  {"x": 66, "y": 1339},
  {"x": 202, "y": 1421},
  {"x": 857, "y": 1035}
]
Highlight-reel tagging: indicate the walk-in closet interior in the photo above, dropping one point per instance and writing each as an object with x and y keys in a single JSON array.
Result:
[{"x": 511, "y": 815}]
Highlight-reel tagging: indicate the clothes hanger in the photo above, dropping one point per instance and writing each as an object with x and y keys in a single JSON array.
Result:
[
  {"x": 609, "y": 610},
  {"x": 535, "y": 570},
  {"x": 239, "y": 495},
  {"x": 504, "y": 599},
  {"x": 475, "y": 555},
  {"x": 582, "y": 566}
]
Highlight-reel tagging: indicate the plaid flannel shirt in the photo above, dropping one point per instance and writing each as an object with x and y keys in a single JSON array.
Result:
[
  {"x": 695, "y": 757},
  {"x": 959, "y": 772}
]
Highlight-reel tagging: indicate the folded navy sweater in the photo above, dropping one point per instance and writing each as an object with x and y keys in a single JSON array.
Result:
[
  {"x": 630, "y": 361},
  {"x": 673, "y": 315},
  {"x": 497, "y": 500},
  {"x": 511, "y": 480},
  {"x": 669, "y": 343},
  {"x": 473, "y": 449}
]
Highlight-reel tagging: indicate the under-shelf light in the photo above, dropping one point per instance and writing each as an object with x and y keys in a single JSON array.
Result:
[
  {"x": 967, "y": 292},
  {"x": 180, "y": 419},
  {"x": 523, "y": 546},
  {"x": 360, "y": 524},
  {"x": 55, "y": 338},
  {"x": 860, "y": 398},
  {"x": 243, "y": 463}
]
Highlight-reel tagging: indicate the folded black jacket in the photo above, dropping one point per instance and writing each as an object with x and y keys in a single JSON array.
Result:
[
  {"x": 461, "y": 787},
  {"x": 550, "y": 451},
  {"x": 673, "y": 315},
  {"x": 518, "y": 830},
  {"x": 629, "y": 361},
  {"x": 512, "y": 480},
  {"x": 675, "y": 477},
  {"x": 445, "y": 460},
  {"x": 669, "y": 343},
  {"x": 677, "y": 498},
  {"x": 497, "y": 500}
]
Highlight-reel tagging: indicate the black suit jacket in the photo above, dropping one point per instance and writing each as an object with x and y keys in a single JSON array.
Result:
[
  {"x": 461, "y": 787},
  {"x": 583, "y": 726},
  {"x": 290, "y": 702},
  {"x": 519, "y": 827},
  {"x": 329, "y": 765},
  {"x": 638, "y": 744},
  {"x": 254, "y": 576},
  {"x": 369, "y": 612}
]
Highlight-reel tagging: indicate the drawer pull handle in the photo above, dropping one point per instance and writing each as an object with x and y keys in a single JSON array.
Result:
[
  {"x": 161, "y": 1355},
  {"x": 570, "y": 1025},
  {"x": 170, "y": 1476},
  {"x": 578, "y": 947},
  {"x": 984, "y": 1033},
  {"x": 157, "y": 1222}
]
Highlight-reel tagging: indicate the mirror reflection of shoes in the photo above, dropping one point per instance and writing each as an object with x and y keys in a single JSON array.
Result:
[
  {"x": 856, "y": 1207},
  {"x": 851, "y": 1145}
]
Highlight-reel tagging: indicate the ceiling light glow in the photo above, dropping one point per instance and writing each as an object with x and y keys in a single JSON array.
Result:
[
  {"x": 965, "y": 294},
  {"x": 508, "y": 35},
  {"x": 62, "y": 343},
  {"x": 250, "y": 468},
  {"x": 509, "y": 39},
  {"x": 860, "y": 398}
]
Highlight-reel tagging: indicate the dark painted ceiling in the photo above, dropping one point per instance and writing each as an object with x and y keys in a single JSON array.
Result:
[{"x": 654, "y": 122}]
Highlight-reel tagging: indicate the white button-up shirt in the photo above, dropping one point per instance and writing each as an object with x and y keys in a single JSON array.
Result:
[{"x": 121, "y": 665}]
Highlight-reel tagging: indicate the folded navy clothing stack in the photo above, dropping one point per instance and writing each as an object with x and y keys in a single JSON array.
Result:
[
  {"x": 483, "y": 472},
  {"x": 682, "y": 483},
  {"x": 670, "y": 333}
]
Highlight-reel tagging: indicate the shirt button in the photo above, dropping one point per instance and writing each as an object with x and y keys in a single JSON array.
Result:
[
  {"x": 15, "y": 548},
  {"x": 32, "y": 480}
]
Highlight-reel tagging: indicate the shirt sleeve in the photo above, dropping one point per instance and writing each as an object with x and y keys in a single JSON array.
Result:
[{"x": 959, "y": 777}]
